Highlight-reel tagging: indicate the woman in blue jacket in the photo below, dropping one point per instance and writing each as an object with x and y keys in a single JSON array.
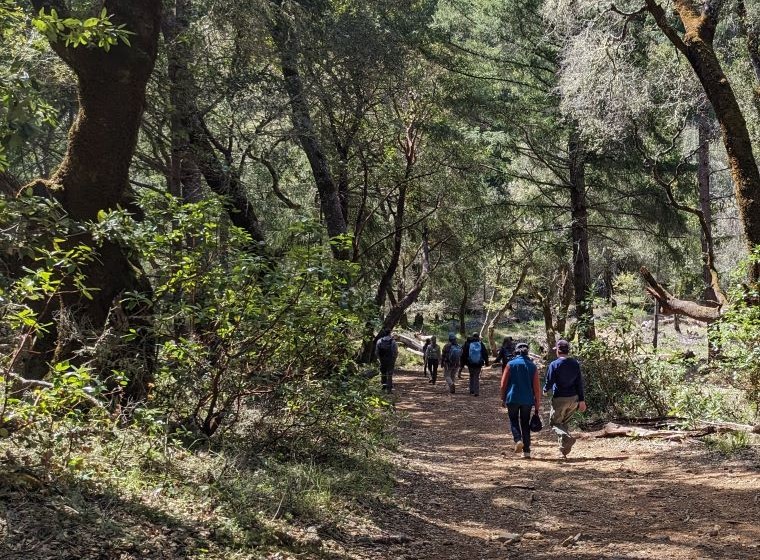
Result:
[{"x": 520, "y": 392}]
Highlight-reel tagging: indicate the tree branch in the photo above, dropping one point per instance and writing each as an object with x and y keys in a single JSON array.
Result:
[{"x": 673, "y": 306}]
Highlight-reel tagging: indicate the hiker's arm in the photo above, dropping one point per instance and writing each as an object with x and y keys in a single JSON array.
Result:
[
  {"x": 503, "y": 386},
  {"x": 485, "y": 353},
  {"x": 537, "y": 390},
  {"x": 549, "y": 379}
]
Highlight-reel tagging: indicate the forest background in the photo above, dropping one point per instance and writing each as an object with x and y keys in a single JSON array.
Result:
[{"x": 210, "y": 210}]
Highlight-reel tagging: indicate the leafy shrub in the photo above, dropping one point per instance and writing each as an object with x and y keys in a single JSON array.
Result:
[
  {"x": 738, "y": 335},
  {"x": 245, "y": 342}
]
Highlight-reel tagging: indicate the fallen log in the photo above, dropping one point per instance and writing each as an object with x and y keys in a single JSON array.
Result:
[
  {"x": 611, "y": 430},
  {"x": 410, "y": 343},
  {"x": 728, "y": 427}
]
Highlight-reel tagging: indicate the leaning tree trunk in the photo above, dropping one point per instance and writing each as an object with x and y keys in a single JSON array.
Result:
[
  {"x": 696, "y": 44},
  {"x": 584, "y": 306},
  {"x": 193, "y": 148},
  {"x": 94, "y": 173},
  {"x": 285, "y": 39},
  {"x": 491, "y": 325}
]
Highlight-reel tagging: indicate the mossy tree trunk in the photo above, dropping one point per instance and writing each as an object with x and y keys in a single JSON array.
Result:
[
  {"x": 695, "y": 43},
  {"x": 94, "y": 173}
]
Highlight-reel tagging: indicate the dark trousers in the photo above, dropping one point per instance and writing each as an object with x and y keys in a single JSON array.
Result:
[
  {"x": 386, "y": 377},
  {"x": 474, "y": 379},
  {"x": 519, "y": 420},
  {"x": 432, "y": 366}
]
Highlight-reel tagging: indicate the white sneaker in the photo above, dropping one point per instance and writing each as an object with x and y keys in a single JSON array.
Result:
[{"x": 518, "y": 446}]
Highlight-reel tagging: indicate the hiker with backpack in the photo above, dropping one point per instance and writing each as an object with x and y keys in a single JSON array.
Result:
[
  {"x": 433, "y": 357},
  {"x": 474, "y": 356},
  {"x": 506, "y": 352},
  {"x": 386, "y": 351},
  {"x": 520, "y": 392},
  {"x": 452, "y": 354},
  {"x": 565, "y": 381},
  {"x": 424, "y": 358}
]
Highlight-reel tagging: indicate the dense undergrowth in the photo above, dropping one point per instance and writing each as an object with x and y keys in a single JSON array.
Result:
[{"x": 256, "y": 411}]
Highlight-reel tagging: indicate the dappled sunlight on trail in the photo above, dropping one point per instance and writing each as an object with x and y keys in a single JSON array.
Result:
[{"x": 464, "y": 493}]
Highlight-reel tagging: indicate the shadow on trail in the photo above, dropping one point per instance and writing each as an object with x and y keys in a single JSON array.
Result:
[
  {"x": 461, "y": 485},
  {"x": 81, "y": 523},
  {"x": 571, "y": 460}
]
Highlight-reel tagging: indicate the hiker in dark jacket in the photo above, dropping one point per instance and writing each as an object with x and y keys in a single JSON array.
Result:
[
  {"x": 564, "y": 380},
  {"x": 425, "y": 359},
  {"x": 451, "y": 357},
  {"x": 506, "y": 352},
  {"x": 474, "y": 356},
  {"x": 433, "y": 357},
  {"x": 520, "y": 391},
  {"x": 386, "y": 351}
]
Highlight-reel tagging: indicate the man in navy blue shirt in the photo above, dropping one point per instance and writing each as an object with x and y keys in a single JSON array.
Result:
[{"x": 564, "y": 380}]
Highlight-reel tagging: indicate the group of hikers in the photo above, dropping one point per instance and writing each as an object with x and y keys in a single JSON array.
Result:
[{"x": 520, "y": 391}]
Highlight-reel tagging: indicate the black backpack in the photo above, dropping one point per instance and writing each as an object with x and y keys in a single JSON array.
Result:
[{"x": 385, "y": 349}]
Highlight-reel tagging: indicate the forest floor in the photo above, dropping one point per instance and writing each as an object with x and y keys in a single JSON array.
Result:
[
  {"x": 453, "y": 489},
  {"x": 462, "y": 492}
]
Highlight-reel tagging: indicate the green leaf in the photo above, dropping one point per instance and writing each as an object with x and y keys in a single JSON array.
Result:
[{"x": 90, "y": 22}]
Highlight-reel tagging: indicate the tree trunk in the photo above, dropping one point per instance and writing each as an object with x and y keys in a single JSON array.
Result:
[
  {"x": 670, "y": 304},
  {"x": 398, "y": 309},
  {"x": 703, "y": 178},
  {"x": 584, "y": 306},
  {"x": 551, "y": 337},
  {"x": 193, "y": 150},
  {"x": 285, "y": 39},
  {"x": 94, "y": 173},
  {"x": 696, "y": 44},
  {"x": 491, "y": 326},
  {"x": 463, "y": 304}
]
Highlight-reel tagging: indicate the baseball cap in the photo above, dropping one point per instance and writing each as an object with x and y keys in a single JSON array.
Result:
[{"x": 562, "y": 346}]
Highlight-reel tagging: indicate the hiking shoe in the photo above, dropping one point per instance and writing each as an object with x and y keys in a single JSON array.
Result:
[
  {"x": 526, "y": 454},
  {"x": 518, "y": 446},
  {"x": 452, "y": 390}
]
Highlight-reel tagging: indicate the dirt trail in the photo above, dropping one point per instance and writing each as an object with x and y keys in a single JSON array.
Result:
[{"x": 461, "y": 490}]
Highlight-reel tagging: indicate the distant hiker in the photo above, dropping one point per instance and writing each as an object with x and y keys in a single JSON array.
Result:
[
  {"x": 461, "y": 361},
  {"x": 452, "y": 354},
  {"x": 474, "y": 356},
  {"x": 387, "y": 352},
  {"x": 424, "y": 358},
  {"x": 564, "y": 380},
  {"x": 433, "y": 355},
  {"x": 520, "y": 391},
  {"x": 506, "y": 352}
]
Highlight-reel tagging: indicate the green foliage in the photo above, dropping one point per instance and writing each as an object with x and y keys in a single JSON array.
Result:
[
  {"x": 22, "y": 110},
  {"x": 737, "y": 334},
  {"x": 729, "y": 444},
  {"x": 628, "y": 285},
  {"x": 92, "y": 31}
]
